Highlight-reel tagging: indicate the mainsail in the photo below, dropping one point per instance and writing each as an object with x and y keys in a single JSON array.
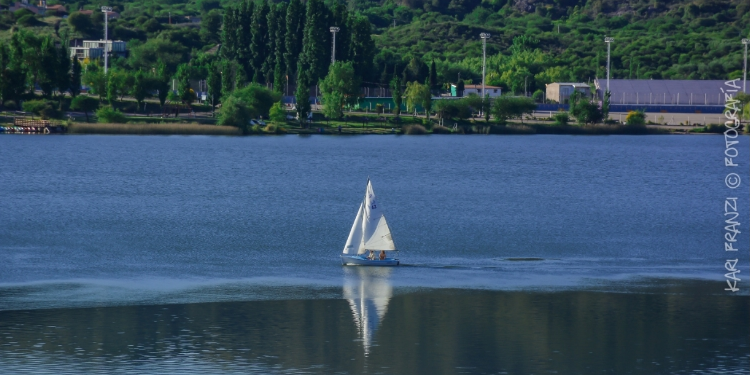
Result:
[{"x": 370, "y": 230}]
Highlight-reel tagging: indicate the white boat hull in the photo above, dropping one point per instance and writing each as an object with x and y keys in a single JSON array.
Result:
[{"x": 358, "y": 260}]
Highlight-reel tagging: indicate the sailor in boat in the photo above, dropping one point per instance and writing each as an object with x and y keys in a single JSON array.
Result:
[
  {"x": 382, "y": 254},
  {"x": 372, "y": 255}
]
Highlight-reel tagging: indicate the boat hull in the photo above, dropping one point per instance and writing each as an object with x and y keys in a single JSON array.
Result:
[{"x": 357, "y": 260}]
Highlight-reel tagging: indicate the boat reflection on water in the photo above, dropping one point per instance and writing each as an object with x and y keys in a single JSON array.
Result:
[{"x": 368, "y": 290}]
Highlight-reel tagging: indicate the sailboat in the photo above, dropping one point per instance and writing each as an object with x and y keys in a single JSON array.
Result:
[{"x": 370, "y": 234}]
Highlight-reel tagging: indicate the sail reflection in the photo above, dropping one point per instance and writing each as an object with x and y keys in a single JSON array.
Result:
[{"x": 368, "y": 290}]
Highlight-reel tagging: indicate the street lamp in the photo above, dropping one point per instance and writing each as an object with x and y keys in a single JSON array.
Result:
[
  {"x": 106, "y": 11},
  {"x": 744, "y": 69},
  {"x": 609, "y": 41},
  {"x": 484, "y": 37},
  {"x": 334, "y": 30}
]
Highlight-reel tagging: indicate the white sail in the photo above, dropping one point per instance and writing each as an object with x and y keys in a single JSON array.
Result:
[
  {"x": 354, "y": 244},
  {"x": 381, "y": 238},
  {"x": 376, "y": 234}
]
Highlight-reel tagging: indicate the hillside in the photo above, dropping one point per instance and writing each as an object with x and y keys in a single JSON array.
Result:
[{"x": 533, "y": 41}]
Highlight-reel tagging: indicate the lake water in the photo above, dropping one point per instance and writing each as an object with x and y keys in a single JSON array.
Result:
[{"x": 520, "y": 254}]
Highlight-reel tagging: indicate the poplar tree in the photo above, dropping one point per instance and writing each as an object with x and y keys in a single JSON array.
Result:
[
  {"x": 214, "y": 83},
  {"x": 295, "y": 24},
  {"x": 433, "y": 76},
  {"x": 279, "y": 68},
  {"x": 269, "y": 63},
  {"x": 343, "y": 36},
  {"x": 362, "y": 48},
  {"x": 258, "y": 47},
  {"x": 47, "y": 76},
  {"x": 244, "y": 39},
  {"x": 62, "y": 74},
  {"x": 229, "y": 34},
  {"x": 75, "y": 78},
  {"x": 396, "y": 93},
  {"x": 316, "y": 55}
]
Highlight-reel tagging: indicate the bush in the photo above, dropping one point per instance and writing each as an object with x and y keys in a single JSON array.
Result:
[
  {"x": 10, "y": 105},
  {"x": 234, "y": 111},
  {"x": 107, "y": 114},
  {"x": 414, "y": 130},
  {"x": 45, "y": 109},
  {"x": 636, "y": 118},
  {"x": 440, "y": 130},
  {"x": 277, "y": 113},
  {"x": 561, "y": 118}
]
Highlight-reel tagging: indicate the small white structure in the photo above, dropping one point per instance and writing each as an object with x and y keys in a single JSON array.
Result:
[
  {"x": 94, "y": 49},
  {"x": 491, "y": 91}
]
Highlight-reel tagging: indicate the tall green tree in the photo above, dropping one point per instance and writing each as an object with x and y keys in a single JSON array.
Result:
[
  {"x": 229, "y": 34},
  {"x": 14, "y": 73},
  {"x": 62, "y": 75},
  {"x": 302, "y": 95},
  {"x": 362, "y": 48},
  {"x": 213, "y": 83},
  {"x": 295, "y": 27},
  {"x": 75, "y": 78},
  {"x": 48, "y": 69},
  {"x": 397, "y": 94},
  {"x": 340, "y": 19},
  {"x": 316, "y": 55},
  {"x": 279, "y": 69},
  {"x": 211, "y": 27},
  {"x": 139, "y": 90},
  {"x": 163, "y": 76},
  {"x": 433, "y": 76},
  {"x": 259, "y": 44},
  {"x": 340, "y": 87},
  {"x": 244, "y": 40}
]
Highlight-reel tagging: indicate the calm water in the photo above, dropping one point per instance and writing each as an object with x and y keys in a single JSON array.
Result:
[{"x": 214, "y": 254}]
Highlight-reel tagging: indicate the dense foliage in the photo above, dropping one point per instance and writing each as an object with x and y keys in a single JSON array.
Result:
[{"x": 279, "y": 44}]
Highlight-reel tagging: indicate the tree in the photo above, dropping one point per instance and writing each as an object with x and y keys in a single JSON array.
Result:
[
  {"x": 460, "y": 88},
  {"x": 302, "y": 95},
  {"x": 235, "y": 112},
  {"x": 585, "y": 110},
  {"x": 62, "y": 74},
  {"x": 418, "y": 94},
  {"x": 258, "y": 99},
  {"x": 605, "y": 105},
  {"x": 433, "y": 76},
  {"x": 295, "y": 25},
  {"x": 258, "y": 46},
  {"x": 162, "y": 82},
  {"x": 139, "y": 90},
  {"x": 12, "y": 70},
  {"x": 396, "y": 94},
  {"x": 340, "y": 87},
  {"x": 229, "y": 34},
  {"x": 362, "y": 47},
  {"x": 75, "y": 78},
  {"x": 94, "y": 78},
  {"x": 48, "y": 67},
  {"x": 507, "y": 107},
  {"x": 187, "y": 95},
  {"x": 315, "y": 56},
  {"x": 81, "y": 23},
  {"x": 213, "y": 81},
  {"x": 211, "y": 26},
  {"x": 107, "y": 114},
  {"x": 244, "y": 56},
  {"x": 340, "y": 19},
  {"x": 85, "y": 104}
]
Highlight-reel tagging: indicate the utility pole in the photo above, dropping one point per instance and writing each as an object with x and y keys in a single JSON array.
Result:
[
  {"x": 609, "y": 41},
  {"x": 106, "y": 11},
  {"x": 744, "y": 68},
  {"x": 334, "y": 30}
]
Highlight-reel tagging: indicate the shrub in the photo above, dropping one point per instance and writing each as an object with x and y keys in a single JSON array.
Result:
[
  {"x": 277, "y": 113},
  {"x": 414, "y": 130},
  {"x": 636, "y": 118},
  {"x": 440, "y": 130},
  {"x": 561, "y": 118},
  {"x": 234, "y": 111},
  {"x": 10, "y": 105},
  {"x": 45, "y": 109},
  {"x": 107, "y": 114}
]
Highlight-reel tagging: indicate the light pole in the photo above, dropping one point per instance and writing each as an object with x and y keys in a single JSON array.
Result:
[
  {"x": 609, "y": 41},
  {"x": 484, "y": 37},
  {"x": 106, "y": 11},
  {"x": 744, "y": 68},
  {"x": 334, "y": 30}
]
